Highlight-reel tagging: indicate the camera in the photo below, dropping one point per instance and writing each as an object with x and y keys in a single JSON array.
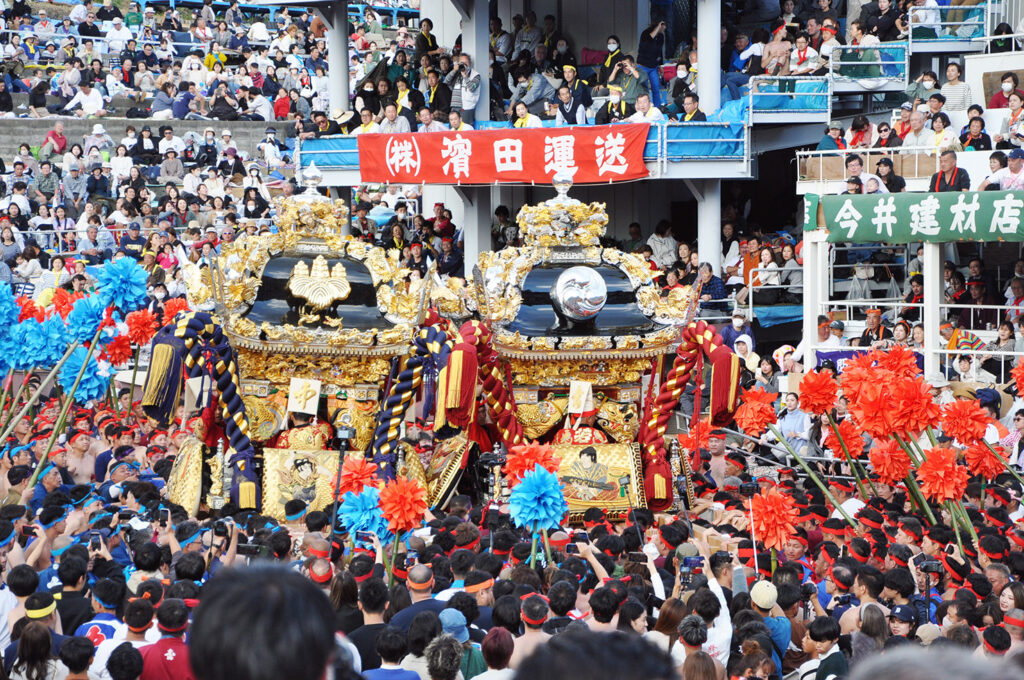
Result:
[
  {"x": 572, "y": 549},
  {"x": 125, "y": 515},
  {"x": 220, "y": 528},
  {"x": 930, "y": 567},
  {"x": 410, "y": 559},
  {"x": 807, "y": 591},
  {"x": 254, "y": 550},
  {"x": 637, "y": 557},
  {"x": 581, "y": 537},
  {"x": 365, "y": 536},
  {"x": 844, "y": 599},
  {"x": 685, "y": 576},
  {"x": 749, "y": 489}
]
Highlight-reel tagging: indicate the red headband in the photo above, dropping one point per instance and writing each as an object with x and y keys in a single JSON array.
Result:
[
  {"x": 469, "y": 546},
  {"x": 321, "y": 578},
  {"x": 1012, "y": 621},
  {"x": 172, "y": 630},
  {"x": 319, "y": 553},
  {"x": 780, "y": 29},
  {"x": 364, "y": 577},
  {"x": 992, "y": 649},
  {"x": 869, "y": 522}
]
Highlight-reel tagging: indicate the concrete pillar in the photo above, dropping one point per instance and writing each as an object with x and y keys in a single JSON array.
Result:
[
  {"x": 476, "y": 43},
  {"x": 336, "y": 17},
  {"x": 476, "y": 230},
  {"x": 814, "y": 298},
  {"x": 932, "y": 314},
  {"x": 709, "y": 55},
  {"x": 709, "y": 224}
]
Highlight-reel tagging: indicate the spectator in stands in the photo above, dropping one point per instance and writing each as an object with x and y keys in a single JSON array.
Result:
[
  {"x": 833, "y": 138},
  {"x": 1009, "y": 178},
  {"x": 855, "y": 168},
  {"x": 775, "y": 59},
  {"x": 803, "y": 60},
  {"x": 88, "y": 101},
  {"x": 569, "y": 110},
  {"x": 975, "y": 138},
  {"x": 645, "y": 111},
  {"x": 649, "y": 56},
  {"x": 428, "y": 124},
  {"x": 923, "y": 21},
  {"x": 691, "y": 109},
  {"x": 464, "y": 82},
  {"x": 974, "y": 318},
  {"x": 860, "y": 133},
  {"x": 713, "y": 296},
  {"x": 943, "y": 137},
  {"x": 1011, "y": 130},
  {"x": 532, "y": 90},
  {"x": 949, "y": 177},
  {"x": 887, "y": 137},
  {"x": 879, "y": 19},
  {"x": 426, "y": 43},
  {"x": 1008, "y": 84},
  {"x": 605, "y": 71},
  {"x": 626, "y": 76},
  {"x": 956, "y": 92},
  {"x": 893, "y": 182},
  {"x": 923, "y": 87},
  {"x": 392, "y": 122},
  {"x": 919, "y": 137},
  {"x": 615, "y": 110}
]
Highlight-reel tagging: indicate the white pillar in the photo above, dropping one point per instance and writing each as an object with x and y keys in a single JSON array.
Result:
[
  {"x": 932, "y": 315},
  {"x": 709, "y": 224},
  {"x": 476, "y": 230},
  {"x": 813, "y": 293},
  {"x": 709, "y": 54},
  {"x": 476, "y": 43},
  {"x": 336, "y": 18}
]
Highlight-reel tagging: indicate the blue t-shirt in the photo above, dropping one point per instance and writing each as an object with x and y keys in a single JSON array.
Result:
[{"x": 180, "y": 106}]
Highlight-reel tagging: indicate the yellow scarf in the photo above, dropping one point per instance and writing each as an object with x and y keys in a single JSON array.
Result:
[
  {"x": 521, "y": 122},
  {"x": 608, "y": 61}
]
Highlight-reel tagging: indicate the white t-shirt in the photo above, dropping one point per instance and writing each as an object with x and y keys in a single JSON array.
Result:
[
  {"x": 1007, "y": 180},
  {"x": 851, "y": 506}
]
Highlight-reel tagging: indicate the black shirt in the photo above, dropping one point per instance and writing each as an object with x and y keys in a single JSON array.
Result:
[
  {"x": 365, "y": 640},
  {"x": 958, "y": 180},
  {"x": 347, "y": 619},
  {"x": 74, "y": 609}
]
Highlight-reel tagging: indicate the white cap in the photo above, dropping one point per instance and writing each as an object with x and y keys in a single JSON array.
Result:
[
  {"x": 97, "y": 129},
  {"x": 225, "y": 133}
]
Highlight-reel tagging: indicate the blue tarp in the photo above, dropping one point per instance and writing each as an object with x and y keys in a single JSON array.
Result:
[
  {"x": 774, "y": 315},
  {"x": 677, "y": 146},
  {"x": 344, "y": 152},
  {"x": 810, "y": 96}
]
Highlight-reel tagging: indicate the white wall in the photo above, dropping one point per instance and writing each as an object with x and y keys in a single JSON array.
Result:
[{"x": 977, "y": 64}]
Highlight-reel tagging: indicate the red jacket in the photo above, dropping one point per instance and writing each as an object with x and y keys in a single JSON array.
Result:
[{"x": 166, "y": 660}]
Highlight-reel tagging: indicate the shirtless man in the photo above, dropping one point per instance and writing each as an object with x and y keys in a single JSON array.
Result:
[
  {"x": 81, "y": 459},
  {"x": 534, "y": 614}
]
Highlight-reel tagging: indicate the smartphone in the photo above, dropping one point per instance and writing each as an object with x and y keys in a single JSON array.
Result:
[
  {"x": 572, "y": 549},
  {"x": 366, "y": 536},
  {"x": 125, "y": 515},
  {"x": 693, "y": 562},
  {"x": 94, "y": 540},
  {"x": 637, "y": 557},
  {"x": 28, "y": 531},
  {"x": 581, "y": 537},
  {"x": 410, "y": 559},
  {"x": 165, "y": 517}
]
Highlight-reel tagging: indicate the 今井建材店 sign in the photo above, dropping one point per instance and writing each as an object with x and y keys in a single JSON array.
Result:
[
  {"x": 593, "y": 154},
  {"x": 913, "y": 217}
]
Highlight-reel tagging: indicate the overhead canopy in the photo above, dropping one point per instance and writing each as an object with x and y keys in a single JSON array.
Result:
[{"x": 917, "y": 217}]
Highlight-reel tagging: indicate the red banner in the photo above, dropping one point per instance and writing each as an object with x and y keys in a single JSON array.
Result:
[{"x": 592, "y": 154}]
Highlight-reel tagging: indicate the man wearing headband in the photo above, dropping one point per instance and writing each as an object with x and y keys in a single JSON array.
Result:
[
  {"x": 421, "y": 585},
  {"x": 534, "y": 614},
  {"x": 106, "y": 597},
  {"x": 168, "y": 658},
  {"x": 39, "y": 607},
  {"x": 875, "y": 331}
]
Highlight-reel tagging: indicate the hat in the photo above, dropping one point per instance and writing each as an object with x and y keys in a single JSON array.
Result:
[
  {"x": 271, "y": 129},
  {"x": 1016, "y": 153},
  {"x": 835, "y": 125},
  {"x": 98, "y": 129},
  {"x": 928, "y": 633},
  {"x": 133, "y": 225},
  {"x": 764, "y": 594},
  {"x": 907, "y": 106},
  {"x": 116, "y": 20},
  {"x": 240, "y": 29},
  {"x": 149, "y": 10},
  {"x": 225, "y": 133},
  {"x": 230, "y": 151},
  {"x": 904, "y": 612},
  {"x": 740, "y": 313},
  {"x": 454, "y": 623},
  {"x": 837, "y": 325},
  {"x": 884, "y": 161},
  {"x": 938, "y": 381}
]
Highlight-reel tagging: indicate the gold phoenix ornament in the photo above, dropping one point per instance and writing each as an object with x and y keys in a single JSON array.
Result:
[{"x": 318, "y": 285}]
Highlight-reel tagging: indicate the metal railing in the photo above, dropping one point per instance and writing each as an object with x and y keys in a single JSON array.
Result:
[
  {"x": 782, "y": 289},
  {"x": 912, "y": 162},
  {"x": 885, "y": 62},
  {"x": 790, "y": 94},
  {"x": 957, "y": 23}
]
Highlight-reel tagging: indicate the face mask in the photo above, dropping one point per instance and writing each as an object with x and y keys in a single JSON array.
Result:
[
  {"x": 159, "y": 296},
  {"x": 928, "y": 84},
  {"x": 737, "y": 323},
  {"x": 1007, "y": 87},
  {"x": 562, "y": 49},
  {"x": 209, "y": 138},
  {"x": 612, "y": 47},
  {"x": 614, "y": 98},
  {"x": 250, "y": 206}
]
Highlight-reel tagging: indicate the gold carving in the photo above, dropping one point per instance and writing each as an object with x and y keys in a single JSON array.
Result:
[
  {"x": 620, "y": 421},
  {"x": 556, "y": 372},
  {"x": 303, "y": 475},
  {"x": 585, "y": 342},
  {"x": 318, "y": 285},
  {"x": 538, "y": 418},
  {"x": 185, "y": 483},
  {"x": 676, "y": 307},
  {"x": 279, "y": 368}
]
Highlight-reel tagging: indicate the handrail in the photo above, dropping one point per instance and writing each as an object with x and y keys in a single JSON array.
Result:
[
  {"x": 757, "y": 82},
  {"x": 914, "y": 152},
  {"x": 837, "y": 65},
  {"x": 951, "y": 36}
]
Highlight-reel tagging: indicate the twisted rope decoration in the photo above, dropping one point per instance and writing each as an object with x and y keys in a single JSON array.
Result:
[
  {"x": 205, "y": 343},
  {"x": 497, "y": 395},
  {"x": 697, "y": 337},
  {"x": 429, "y": 344}
]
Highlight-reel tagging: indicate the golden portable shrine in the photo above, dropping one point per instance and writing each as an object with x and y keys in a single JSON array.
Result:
[{"x": 567, "y": 346}]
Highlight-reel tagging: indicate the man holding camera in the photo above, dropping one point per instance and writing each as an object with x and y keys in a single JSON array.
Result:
[{"x": 464, "y": 83}]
